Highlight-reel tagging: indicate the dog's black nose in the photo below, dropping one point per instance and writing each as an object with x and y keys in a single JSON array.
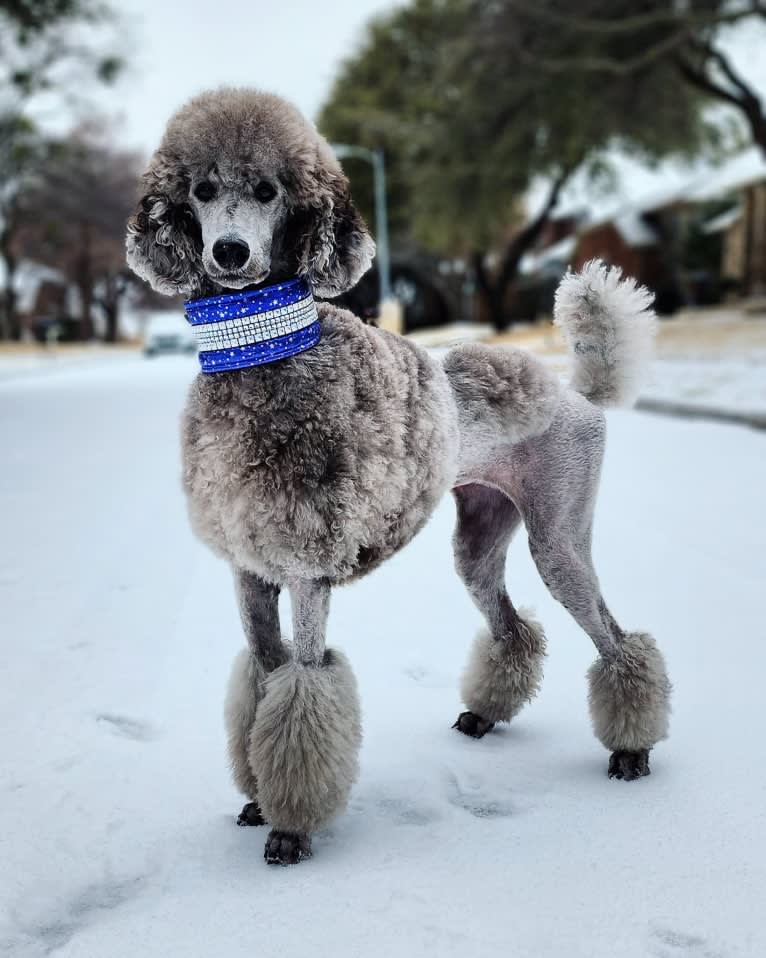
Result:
[{"x": 231, "y": 253}]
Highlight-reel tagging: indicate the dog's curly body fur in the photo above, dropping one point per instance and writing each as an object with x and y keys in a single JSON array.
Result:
[
  {"x": 361, "y": 444},
  {"x": 311, "y": 471}
]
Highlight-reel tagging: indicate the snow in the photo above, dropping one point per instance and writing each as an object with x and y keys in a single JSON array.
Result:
[
  {"x": 736, "y": 173},
  {"x": 638, "y": 190},
  {"x": 735, "y": 385},
  {"x": 117, "y": 811},
  {"x": 551, "y": 256},
  {"x": 53, "y": 359},
  {"x": 712, "y": 358},
  {"x": 634, "y": 230},
  {"x": 723, "y": 222},
  {"x": 444, "y": 337},
  {"x": 732, "y": 385},
  {"x": 28, "y": 277}
]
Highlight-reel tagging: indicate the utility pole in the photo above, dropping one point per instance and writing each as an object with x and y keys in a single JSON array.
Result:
[{"x": 376, "y": 160}]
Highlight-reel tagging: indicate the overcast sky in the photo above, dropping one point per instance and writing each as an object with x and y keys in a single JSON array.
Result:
[{"x": 177, "y": 48}]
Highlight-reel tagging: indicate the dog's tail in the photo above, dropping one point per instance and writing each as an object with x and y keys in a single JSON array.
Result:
[{"x": 609, "y": 325}]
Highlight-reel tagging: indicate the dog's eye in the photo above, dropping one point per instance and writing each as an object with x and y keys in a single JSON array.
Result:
[
  {"x": 264, "y": 192},
  {"x": 204, "y": 191}
]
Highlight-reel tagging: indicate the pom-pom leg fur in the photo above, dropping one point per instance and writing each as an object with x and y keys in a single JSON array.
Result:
[
  {"x": 305, "y": 742},
  {"x": 629, "y": 697},
  {"x": 504, "y": 670},
  {"x": 259, "y": 609}
]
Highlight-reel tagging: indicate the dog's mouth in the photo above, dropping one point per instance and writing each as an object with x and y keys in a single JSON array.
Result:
[{"x": 238, "y": 282}]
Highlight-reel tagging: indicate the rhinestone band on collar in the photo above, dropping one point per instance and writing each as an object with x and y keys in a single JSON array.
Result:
[{"x": 237, "y": 330}]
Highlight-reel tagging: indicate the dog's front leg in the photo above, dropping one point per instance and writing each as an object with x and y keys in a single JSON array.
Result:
[
  {"x": 305, "y": 741},
  {"x": 259, "y": 607}
]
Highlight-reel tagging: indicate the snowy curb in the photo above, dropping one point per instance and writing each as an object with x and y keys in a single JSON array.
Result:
[{"x": 667, "y": 407}]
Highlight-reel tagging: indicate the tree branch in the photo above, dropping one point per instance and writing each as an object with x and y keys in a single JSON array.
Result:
[
  {"x": 745, "y": 100},
  {"x": 727, "y": 69},
  {"x": 480, "y": 273},
  {"x": 681, "y": 28},
  {"x": 599, "y": 64},
  {"x": 529, "y": 234},
  {"x": 640, "y": 21},
  {"x": 699, "y": 79}
]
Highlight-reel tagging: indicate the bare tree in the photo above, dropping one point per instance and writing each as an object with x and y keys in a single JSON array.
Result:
[
  {"x": 20, "y": 151},
  {"x": 73, "y": 218},
  {"x": 494, "y": 288},
  {"x": 42, "y": 59}
]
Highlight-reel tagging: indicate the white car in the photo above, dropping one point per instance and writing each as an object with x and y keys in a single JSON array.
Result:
[{"x": 168, "y": 332}]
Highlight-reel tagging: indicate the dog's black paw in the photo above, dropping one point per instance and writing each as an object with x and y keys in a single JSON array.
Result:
[
  {"x": 251, "y": 815},
  {"x": 474, "y": 725},
  {"x": 629, "y": 765},
  {"x": 286, "y": 848}
]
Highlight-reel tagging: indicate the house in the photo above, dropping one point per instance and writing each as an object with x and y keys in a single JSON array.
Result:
[
  {"x": 742, "y": 228},
  {"x": 645, "y": 239},
  {"x": 690, "y": 241},
  {"x": 42, "y": 294},
  {"x": 642, "y": 238}
]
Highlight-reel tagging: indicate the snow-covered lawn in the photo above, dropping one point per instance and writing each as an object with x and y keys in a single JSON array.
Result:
[
  {"x": 117, "y": 815},
  {"x": 711, "y": 358},
  {"x": 734, "y": 385}
]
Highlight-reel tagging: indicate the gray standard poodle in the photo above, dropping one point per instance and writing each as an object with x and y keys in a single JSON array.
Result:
[{"x": 310, "y": 471}]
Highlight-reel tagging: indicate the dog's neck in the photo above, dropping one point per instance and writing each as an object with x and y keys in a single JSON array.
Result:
[{"x": 254, "y": 327}]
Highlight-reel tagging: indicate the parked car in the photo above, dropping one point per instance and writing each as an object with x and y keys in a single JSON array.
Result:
[{"x": 168, "y": 332}]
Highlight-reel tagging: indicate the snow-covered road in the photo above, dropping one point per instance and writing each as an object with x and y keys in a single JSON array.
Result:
[{"x": 117, "y": 630}]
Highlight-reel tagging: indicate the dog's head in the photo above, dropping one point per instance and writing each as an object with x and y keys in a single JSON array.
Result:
[{"x": 244, "y": 191}]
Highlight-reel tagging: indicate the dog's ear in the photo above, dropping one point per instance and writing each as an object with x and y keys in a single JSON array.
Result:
[
  {"x": 337, "y": 247},
  {"x": 164, "y": 243}
]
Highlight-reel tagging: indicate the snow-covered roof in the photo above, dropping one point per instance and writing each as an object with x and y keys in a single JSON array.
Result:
[
  {"x": 634, "y": 230},
  {"x": 723, "y": 221},
  {"x": 29, "y": 275},
  {"x": 641, "y": 190},
  {"x": 629, "y": 223},
  {"x": 698, "y": 186},
  {"x": 740, "y": 171},
  {"x": 663, "y": 196},
  {"x": 560, "y": 252}
]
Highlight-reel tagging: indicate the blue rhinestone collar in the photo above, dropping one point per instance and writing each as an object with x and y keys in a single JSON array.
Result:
[{"x": 252, "y": 328}]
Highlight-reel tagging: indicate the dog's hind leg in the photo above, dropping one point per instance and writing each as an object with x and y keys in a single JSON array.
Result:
[
  {"x": 504, "y": 670},
  {"x": 304, "y": 744},
  {"x": 629, "y": 692},
  {"x": 259, "y": 608},
  {"x": 629, "y": 689}
]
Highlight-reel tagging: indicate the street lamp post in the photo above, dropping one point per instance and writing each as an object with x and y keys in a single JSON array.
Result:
[{"x": 375, "y": 158}]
